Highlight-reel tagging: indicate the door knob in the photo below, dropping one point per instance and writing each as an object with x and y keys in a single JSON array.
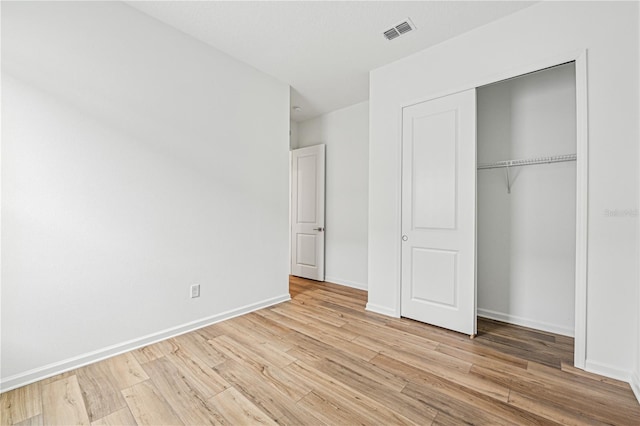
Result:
[
  {"x": 319, "y": 229},
  {"x": 405, "y": 238}
]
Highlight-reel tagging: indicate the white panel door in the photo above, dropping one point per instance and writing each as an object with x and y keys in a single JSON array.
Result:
[
  {"x": 439, "y": 212},
  {"x": 307, "y": 212}
]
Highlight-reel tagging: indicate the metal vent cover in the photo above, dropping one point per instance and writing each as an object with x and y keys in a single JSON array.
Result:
[
  {"x": 391, "y": 33},
  {"x": 399, "y": 29}
]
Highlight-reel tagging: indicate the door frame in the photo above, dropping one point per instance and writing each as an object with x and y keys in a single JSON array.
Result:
[{"x": 579, "y": 57}]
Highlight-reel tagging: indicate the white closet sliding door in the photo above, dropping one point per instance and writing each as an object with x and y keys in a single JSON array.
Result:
[{"x": 439, "y": 212}]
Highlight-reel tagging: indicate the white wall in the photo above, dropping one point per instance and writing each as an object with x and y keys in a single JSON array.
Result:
[
  {"x": 635, "y": 382},
  {"x": 636, "y": 379},
  {"x": 293, "y": 134},
  {"x": 346, "y": 135},
  {"x": 610, "y": 33},
  {"x": 526, "y": 239},
  {"x": 136, "y": 162}
]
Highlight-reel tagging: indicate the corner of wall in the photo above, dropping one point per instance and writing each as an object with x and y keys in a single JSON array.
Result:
[
  {"x": 635, "y": 385},
  {"x": 293, "y": 135}
]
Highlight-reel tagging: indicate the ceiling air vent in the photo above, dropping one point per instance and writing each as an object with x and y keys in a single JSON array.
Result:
[
  {"x": 400, "y": 29},
  {"x": 391, "y": 34}
]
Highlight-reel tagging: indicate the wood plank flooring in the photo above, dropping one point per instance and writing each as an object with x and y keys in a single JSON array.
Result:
[{"x": 322, "y": 359}]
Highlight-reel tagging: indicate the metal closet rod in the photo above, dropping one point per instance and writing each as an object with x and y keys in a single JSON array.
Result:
[{"x": 528, "y": 162}]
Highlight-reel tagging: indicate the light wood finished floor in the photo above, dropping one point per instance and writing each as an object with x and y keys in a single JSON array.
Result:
[{"x": 322, "y": 359}]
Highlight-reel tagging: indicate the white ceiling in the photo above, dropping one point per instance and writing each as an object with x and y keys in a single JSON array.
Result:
[{"x": 323, "y": 49}]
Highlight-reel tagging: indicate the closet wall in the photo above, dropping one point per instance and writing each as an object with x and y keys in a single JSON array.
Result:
[{"x": 526, "y": 239}]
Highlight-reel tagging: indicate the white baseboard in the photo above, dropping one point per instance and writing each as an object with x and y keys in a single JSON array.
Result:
[
  {"x": 53, "y": 369},
  {"x": 525, "y": 322},
  {"x": 608, "y": 371},
  {"x": 346, "y": 283},
  {"x": 383, "y": 310},
  {"x": 635, "y": 384}
]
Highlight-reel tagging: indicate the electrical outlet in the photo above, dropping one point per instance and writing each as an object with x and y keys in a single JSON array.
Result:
[{"x": 195, "y": 290}]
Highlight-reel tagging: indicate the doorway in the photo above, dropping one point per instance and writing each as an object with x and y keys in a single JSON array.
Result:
[
  {"x": 526, "y": 200},
  {"x": 453, "y": 286},
  {"x": 307, "y": 212}
]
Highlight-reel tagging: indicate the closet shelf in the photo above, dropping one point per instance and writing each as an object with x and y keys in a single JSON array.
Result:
[
  {"x": 528, "y": 162},
  {"x": 515, "y": 163}
]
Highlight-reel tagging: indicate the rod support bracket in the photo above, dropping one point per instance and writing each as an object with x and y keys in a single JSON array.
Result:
[{"x": 506, "y": 172}]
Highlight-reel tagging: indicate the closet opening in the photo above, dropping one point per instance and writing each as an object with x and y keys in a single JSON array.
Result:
[{"x": 526, "y": 201}]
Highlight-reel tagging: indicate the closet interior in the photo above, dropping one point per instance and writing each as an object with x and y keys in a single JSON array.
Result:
[{"x": 526, "y": 200}]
